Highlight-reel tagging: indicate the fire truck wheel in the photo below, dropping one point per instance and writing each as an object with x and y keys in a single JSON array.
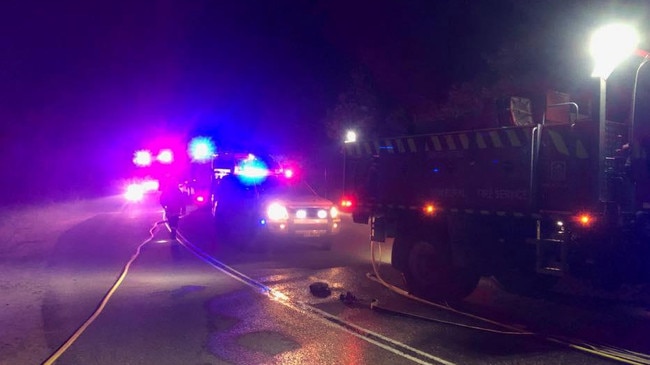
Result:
[{"x": 431, "y": 276}]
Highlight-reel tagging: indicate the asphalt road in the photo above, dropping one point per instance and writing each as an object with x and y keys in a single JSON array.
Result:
[{"x": 205, "y": 302}]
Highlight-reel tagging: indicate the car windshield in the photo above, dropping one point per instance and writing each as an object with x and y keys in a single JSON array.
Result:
[{"x": 281, "y": 186}]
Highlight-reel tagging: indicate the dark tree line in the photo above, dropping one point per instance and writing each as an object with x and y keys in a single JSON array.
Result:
[{"x": 489, "y": 50}]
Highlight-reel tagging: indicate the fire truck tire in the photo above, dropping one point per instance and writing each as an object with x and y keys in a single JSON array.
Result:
[
  {"x": 430, "y": 275},
  {"x": 525, "y": 282}
]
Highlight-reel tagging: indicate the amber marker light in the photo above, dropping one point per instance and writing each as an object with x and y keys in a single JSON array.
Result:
[
  {"x": 584, "y": 219},
  {"x": 429, "y": 209}
]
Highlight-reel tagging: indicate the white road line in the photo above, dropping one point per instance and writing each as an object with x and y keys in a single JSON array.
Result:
[{"x": 377, "y": 339}]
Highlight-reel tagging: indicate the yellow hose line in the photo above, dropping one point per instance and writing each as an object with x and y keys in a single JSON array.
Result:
[{"x": 55, "y": 356}]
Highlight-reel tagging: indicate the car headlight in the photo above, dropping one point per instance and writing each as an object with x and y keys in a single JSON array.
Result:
[
  {"x": 277, "y": 211},
  {"x": 134, "y": 192},
  {"x": 334, "y": 212},
  {"x": 322, "y": 214}
]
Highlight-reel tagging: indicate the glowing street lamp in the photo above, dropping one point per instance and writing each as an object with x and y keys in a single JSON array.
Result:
[
  {"x": 610, "y": 45},
  {"x": 350, "y": 136}
]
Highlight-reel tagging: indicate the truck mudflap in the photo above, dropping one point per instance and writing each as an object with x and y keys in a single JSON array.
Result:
[{"x": 551, "y": 256}]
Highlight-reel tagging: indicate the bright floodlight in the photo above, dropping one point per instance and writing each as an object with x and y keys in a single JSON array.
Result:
[
  {"x": 610, "y": 46},
  {"x": 142, "y": 158},
  {"x": 350, "y": 136},
  {"x": 201, "y": 149}
]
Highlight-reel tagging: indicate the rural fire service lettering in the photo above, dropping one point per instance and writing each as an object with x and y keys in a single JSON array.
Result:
[{"x": 502, "y": 194}]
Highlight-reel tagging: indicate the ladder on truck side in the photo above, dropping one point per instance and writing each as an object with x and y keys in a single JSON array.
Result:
[{"x": 551, "y": 254}]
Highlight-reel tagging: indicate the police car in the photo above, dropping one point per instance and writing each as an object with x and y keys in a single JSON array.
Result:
[{"x": 255, "y": 202}]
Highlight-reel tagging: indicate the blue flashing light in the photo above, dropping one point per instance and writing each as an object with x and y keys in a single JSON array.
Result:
[
  {"x": 251, "y": 171},
  {"x": 435, "y": 169},
  {"x": 201, "y": 149}
]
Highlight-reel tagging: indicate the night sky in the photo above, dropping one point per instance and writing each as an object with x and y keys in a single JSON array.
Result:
[{"x": 84, "y": 83}]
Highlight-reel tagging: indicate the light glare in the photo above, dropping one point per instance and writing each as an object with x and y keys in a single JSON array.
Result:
[
  {"x": 150, "y": 185},
  {"x": 350, "y": 136},
  {"x": 165, "y": 156},
  {"x": 201, "y": 149},
  {"x": 611, "y": 45},
  {"x": 277, "y": 211},
  {"x": 251, "y": 171},
  {"x": 429, "y": 209},
  {"x": 334, "y": 212},
  {"x": 142, "y": 158},
  {"x": 134, "y": 193}
]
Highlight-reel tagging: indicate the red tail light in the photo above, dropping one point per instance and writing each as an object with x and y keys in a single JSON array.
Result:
[
  {"x": 200, "y": 198},
  {"x": 347, "y": 203}
]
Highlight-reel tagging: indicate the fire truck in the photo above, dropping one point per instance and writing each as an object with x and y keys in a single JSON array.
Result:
[{"x": 527, "y": 202}]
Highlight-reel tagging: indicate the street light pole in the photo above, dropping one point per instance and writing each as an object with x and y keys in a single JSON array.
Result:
[
  {"x": 602, "y": 137},
  {"x": 350, "y": 137},
  {"x": 610, "y": 46},
  {"x": 646, "y": 58}
]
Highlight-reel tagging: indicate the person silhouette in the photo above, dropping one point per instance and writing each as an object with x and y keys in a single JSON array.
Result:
[{"x": 173, "y": 200}]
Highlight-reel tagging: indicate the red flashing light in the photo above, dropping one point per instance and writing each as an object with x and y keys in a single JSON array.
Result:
[
  {"x": 288, "y": 173},
  {"x": 142, "y": 158},
  {"x": 165, "y": 156},
  {"x": 346, "y": 203}
]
